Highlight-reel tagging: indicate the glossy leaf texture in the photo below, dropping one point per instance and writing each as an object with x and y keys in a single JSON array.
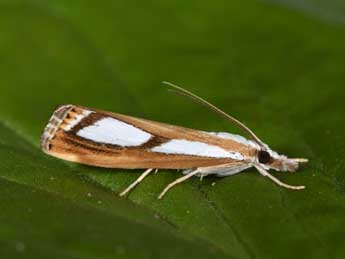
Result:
[{"x": 278, "y": 66}]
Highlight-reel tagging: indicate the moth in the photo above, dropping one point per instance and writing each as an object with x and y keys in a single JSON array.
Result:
[{"x": 112, "y": 140}]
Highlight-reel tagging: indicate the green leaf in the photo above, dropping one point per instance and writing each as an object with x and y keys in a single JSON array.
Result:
[{"x": 277, "y": 68}]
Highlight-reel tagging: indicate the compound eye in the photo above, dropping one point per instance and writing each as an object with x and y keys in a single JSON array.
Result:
[{"x": 264, "y": 157}]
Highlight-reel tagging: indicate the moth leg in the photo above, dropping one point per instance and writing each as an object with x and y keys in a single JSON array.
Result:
[
  {"x": 300, "y": 160},
  {"x": 277, "y": 181},
  {"x": 136, "y": 182},
  {"x": 177, "y": 181}
]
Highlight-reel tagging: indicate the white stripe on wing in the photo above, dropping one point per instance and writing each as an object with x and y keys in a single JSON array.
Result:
[
  {"x": 111, "y": 131},
  {"x": 195, "y": 148}
]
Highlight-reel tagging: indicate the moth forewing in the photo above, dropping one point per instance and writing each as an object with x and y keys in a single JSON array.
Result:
[{"x": 113, "y": 140}]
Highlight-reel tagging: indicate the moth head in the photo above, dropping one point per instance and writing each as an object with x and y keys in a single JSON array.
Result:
[{"x": 270, "y": 159}]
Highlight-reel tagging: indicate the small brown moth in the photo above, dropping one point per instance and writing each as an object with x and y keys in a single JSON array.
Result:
[{"x": 100, "y": 138}]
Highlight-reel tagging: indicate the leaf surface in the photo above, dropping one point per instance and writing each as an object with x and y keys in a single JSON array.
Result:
[{"x": 277, "y": 68}]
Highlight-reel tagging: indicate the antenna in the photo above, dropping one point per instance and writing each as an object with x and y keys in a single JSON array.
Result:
[{"x": 183, "y": 92}]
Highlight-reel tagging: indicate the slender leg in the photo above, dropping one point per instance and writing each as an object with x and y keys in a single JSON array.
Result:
[
  {"x": 177, "y": 181},
  {"x": 137, "y": 181},
  {"x": 277, "y": 181}
]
